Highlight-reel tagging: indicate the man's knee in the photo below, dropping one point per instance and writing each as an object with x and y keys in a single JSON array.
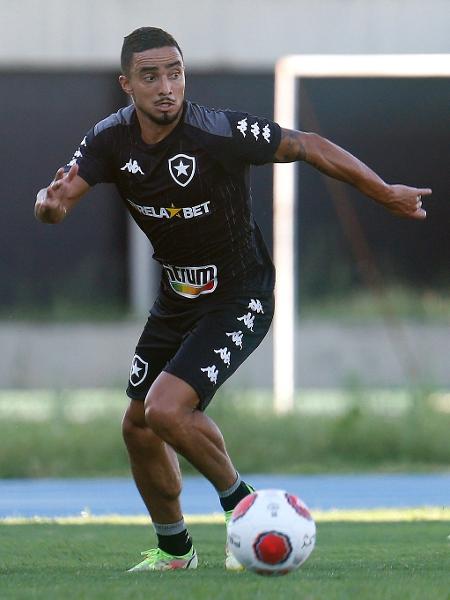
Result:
[
  {"x": 135, "y": 431},
  {"x": 169, "y": 402},
  {"x": 162, "y": 418},
  {"x": 129, "y": 429}
]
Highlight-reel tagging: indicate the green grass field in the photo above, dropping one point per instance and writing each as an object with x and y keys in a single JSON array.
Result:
[{"x": 363, "y": 561}]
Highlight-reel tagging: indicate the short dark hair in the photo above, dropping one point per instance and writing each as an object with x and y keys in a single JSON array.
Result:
[{"x": 144, "y": 38}]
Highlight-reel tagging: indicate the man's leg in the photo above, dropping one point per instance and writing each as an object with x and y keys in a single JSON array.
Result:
[
  {"x": 154, "y": 465},
  {"x": 171, "y": 412},
  {"x": 156, "y": 472}
]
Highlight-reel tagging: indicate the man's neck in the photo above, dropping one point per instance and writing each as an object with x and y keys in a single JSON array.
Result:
[{"x": 152, "y": 132}]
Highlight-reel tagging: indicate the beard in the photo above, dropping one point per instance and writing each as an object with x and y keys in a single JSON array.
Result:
[{"x": 164, "y": 119}]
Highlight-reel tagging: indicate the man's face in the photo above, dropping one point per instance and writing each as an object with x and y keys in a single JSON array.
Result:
[{"x": 156, "y": 84}]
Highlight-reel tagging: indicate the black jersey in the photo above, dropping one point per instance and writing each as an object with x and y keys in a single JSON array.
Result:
[{"x": 190, "y": 194}]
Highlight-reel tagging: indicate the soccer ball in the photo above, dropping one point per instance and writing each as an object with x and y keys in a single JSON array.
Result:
[{"x": 271, "y": 532}]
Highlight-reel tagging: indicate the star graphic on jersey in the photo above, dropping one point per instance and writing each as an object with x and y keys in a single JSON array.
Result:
[
  {"x": 174, "y": 212},
  {"x": 135, "y": 369},
  {"x": 181, "y": 168}
]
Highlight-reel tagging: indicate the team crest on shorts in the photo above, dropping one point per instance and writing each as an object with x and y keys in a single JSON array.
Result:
[
  {"x": 138, "y": 371},
  {"x": 182, "y": 169}
]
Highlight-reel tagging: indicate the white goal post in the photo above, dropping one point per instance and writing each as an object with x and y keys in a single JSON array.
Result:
[{"x": 288, "y": 71}]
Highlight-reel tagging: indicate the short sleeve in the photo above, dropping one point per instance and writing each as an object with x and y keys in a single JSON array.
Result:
[
  {"x": 255, "y": 139},
  {"x": 93, "y": 157}
]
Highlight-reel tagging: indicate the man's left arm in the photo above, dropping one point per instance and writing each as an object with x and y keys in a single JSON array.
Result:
[{"x": 330, "y": 159}]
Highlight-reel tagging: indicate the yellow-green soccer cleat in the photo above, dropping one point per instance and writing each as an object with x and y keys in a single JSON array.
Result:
[
  {"x": 231, "y": 563},
  {"x": 158, "y": 560}
]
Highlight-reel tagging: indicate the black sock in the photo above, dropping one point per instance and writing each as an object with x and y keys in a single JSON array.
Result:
[
  {"x": 177, "y": 544},
  {"x": 230, "y": 501}
]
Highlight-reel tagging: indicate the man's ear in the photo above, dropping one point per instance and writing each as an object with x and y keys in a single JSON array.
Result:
[{"x": 125, "y": 85}]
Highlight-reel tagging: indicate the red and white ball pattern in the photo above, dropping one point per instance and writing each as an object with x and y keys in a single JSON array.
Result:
[{"x": 271, "y": 532}]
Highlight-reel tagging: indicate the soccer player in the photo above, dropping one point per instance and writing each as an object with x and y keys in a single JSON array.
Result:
[{"x": 182, "y": 171}]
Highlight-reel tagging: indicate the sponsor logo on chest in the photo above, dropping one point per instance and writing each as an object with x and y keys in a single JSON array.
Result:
[
  {"x": 170, "y": 212},
  {"x": 191, "y": 282}
]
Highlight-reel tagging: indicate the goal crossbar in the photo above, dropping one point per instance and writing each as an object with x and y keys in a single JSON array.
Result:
[{"x": 288, "y": 70}]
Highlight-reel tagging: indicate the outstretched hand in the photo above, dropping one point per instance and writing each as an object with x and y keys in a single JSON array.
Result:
[
  {"x": 59, "y": 184},
  {"x": 50, "y": 206},
  {"x": 405, "y": 201}
]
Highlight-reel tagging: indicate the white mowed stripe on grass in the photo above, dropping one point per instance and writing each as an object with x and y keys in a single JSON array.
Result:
[{"x": 378, "y": 515}]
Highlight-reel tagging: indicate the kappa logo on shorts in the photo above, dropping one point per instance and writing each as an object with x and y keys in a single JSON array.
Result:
[
  {"x": 224, "y": 354},
  {"x": 138, "y": 371},
  {"x": 236, "y": 337},
  {"x": 248, "y": 319},
  {"x": 182, "y": 169},
  {"x": 212, "y": 373},
  {"x": 256, "y": 306}
]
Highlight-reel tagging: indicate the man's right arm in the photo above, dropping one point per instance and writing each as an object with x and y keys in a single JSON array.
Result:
[
  {"x": 330, "y": 159},
  {"x": 55, "y": 201}
]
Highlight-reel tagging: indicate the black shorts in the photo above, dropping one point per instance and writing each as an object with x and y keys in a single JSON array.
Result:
[{"x": 203, "y": 343}]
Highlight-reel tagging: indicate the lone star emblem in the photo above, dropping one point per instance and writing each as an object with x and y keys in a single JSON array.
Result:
[
  {"x": 138, "y": 365},
  {"x": 135, "y": 369},
  {"x": 182, "y": 169}
]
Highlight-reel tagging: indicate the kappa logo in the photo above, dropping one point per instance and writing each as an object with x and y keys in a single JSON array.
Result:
[
  {"x": 132, "y": 167},
  {"x": 212, "y": 373},
  {"x": 248, "y": 319},
  {"x": 255, "y": 129},
  {"x": 138, "y": 365},
  {"x": 242, "y": 126},
  {"x": 191, "y": 282},
  {"x": 224, "y": 354},
  {"x": 182, "y": 169},
  {"x": 78, "y": 154},
  {"x": 236, "y": 338},
  {"x": 255, "y": 305}
]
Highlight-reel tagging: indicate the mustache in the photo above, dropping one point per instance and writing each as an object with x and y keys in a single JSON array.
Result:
[{"x": 165, "y": 101}]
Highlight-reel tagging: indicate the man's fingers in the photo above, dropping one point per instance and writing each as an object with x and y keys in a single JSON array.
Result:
[
  {"x": 55, "y": 185},
  {"x": 59, "y": 174},
  {"x": 420, "y": 214},
  {"x": 41, "y": 195},
  {"x": 72, "y": 172},
  {"x": 424, "y": 192}
]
